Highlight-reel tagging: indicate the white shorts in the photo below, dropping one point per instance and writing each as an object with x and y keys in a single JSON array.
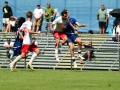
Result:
[{"x": 5, "y": 20}]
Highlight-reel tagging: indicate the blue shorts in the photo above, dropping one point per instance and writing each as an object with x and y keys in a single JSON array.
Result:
[
  {"x": 17, "y": 51},
  {"x": 72, "y": 38}
]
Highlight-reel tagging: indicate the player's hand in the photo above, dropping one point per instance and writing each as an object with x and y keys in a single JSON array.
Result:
[{"x": 84, "y": 25}]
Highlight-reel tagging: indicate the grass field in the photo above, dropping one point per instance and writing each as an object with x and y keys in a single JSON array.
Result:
[{"x": 59, "y": 80}]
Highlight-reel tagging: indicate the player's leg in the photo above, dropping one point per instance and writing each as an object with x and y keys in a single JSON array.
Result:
[
  {"x": 23, "y": 54},
  {"x": 71, "y": 46},
  {"x": 64, "y": 38},
  {"x": 57, "y": 40},
  {"x": 36, "y": 50}
]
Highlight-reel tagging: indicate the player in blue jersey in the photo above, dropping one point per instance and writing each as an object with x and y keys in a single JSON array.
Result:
[
  {"x": 18, "y": 40},
  {"x": 73, "y": 38}
]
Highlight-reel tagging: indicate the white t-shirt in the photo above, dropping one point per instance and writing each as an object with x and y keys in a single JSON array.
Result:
[
  {"x": 118, "y": 29},
  {"x": 6, "y": 44},
  {"x": 58, "y": 21},
  {"x": 12, "y": 23},
  {"x": 27, "y": 37},
  {"x": 37, "y": 12}
]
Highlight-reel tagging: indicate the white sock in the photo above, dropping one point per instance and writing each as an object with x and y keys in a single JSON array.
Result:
[
  {"x": 56, "y": 52},
  {"x": 16, "y": 60},
  {"x": 32, "y": 58}
]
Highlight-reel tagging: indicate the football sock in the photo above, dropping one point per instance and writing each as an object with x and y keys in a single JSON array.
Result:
[{"x": 32, "y": 58}]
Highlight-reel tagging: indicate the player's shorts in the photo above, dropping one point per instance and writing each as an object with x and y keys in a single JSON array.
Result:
[
  {"x": 37, "y": 22},
  {"x": 59, "y": 35},
  {"x": 17, "y": 51},
  {"x": 102, "y": 24},
  {"x": 72, "y": 38},
  {"x": 27, "y": 47},
  {"x": 5, "y": 21}
]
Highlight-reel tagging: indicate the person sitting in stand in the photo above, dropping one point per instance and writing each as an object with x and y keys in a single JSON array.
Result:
[{"x": 89, "y": 52}]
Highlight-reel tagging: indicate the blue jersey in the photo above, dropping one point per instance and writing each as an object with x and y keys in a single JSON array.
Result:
[
  {"x": 69, "y": 29},
  {"x": 18, "y": 42}
]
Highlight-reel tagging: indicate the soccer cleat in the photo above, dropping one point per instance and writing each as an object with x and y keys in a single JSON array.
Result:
[
  {"x": 31, "y": 67},
  {"x": 8, "y": 67},
  {"x": 80, "y": 56},
  {"x": 75, "y": 64},
  {"x": 57, "y": 59},
  {"x": 11, "y": 67}
]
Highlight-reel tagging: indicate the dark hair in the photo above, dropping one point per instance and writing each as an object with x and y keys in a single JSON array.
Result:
[
  {"x": 63, "y": 12},
  {"x": 6, "y": 2},
  {"x": 21, "y": 21}
]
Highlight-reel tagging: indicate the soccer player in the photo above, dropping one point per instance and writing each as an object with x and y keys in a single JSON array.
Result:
[
  {"x": 58, "y": 33},
  {"x": 73, "y": 38},
  {"x": 18, "y": 39},
  {"x": 27, "y": 40}
]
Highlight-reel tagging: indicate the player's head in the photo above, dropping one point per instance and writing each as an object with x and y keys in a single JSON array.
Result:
[
  {"x": 64, "y": 15},
  {"x": 48, "y": 4},
  {"x": 6, "y": 3},
  {"x": 21, "y": 21},
  {"x": 38, "y": 6},
  {"x": 65, "y": 10},
  {"x": 29, "y": 14}
]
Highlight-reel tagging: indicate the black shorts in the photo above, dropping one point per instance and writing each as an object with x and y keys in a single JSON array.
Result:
[{"x": 102, "y": 24}]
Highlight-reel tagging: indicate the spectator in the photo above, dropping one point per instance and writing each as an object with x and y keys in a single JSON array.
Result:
[
  {"x": 49, "y": 15},
  {"x": 89, "y": 51},
  {"x": 102, "y": 18},
  {"x": 117, "y": 33},
  {"x": 9, "y": 45},
  {"x": 7, "y": 14},
  {"x": 38, "y": 16},
  {"x": 12, "y": 24}
]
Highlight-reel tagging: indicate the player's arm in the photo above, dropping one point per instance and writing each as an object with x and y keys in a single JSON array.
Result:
[
  {"x": 51, "y": 27},
  {"x": 72, "y": 26},
  {"x": 32, "y": 32},
  {"x": 80, "y": 25},
  {"x": 20, "y": 33},
  {"x": 15, "y": 36}
]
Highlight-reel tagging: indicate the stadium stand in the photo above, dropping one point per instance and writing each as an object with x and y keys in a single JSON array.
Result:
[{"x": 107, "y": 60}]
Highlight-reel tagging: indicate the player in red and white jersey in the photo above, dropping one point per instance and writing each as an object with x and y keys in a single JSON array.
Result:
[
  {"x": 59, "y": 33},
  {"x": 27, "y": 42}
]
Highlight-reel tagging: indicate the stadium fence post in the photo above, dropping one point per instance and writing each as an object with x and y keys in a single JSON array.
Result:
[{"x": 118, "y": 52}]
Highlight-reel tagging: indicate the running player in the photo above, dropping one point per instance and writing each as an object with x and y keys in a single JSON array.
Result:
[
  {"x": 73, "y": 38},
  {"x": 27, "y": 42},
  {"x": 58, "y": 33}
]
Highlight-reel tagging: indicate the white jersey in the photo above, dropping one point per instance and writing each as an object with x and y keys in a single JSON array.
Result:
[
  {"x": 58, "y": 21},
  {"x": 27, "y": 37},
  {"x": 38, "y": 12},
  {"x": 118, "y": 29}
]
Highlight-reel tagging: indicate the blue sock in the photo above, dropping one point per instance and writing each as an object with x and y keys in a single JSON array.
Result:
[
  {"x": 73, "y": 60},
  {"x": 79, "y": 52}
]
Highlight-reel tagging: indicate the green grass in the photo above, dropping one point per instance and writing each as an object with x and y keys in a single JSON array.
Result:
[{"x": 59, "y": 80}]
